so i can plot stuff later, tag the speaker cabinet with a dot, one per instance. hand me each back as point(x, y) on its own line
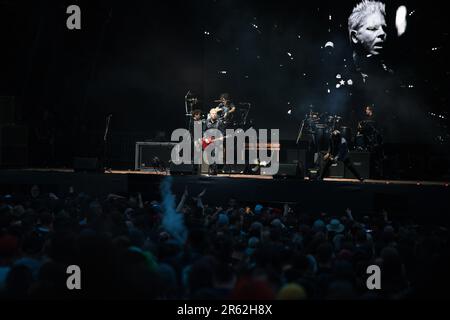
point(153, 155)
point(337, 170)
point(288, 170)
point(361, 162)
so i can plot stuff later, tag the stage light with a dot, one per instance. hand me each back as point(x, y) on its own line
point(400, 20)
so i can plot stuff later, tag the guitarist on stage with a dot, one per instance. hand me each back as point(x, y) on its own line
point(219, 118)
point(338, 151)
point(214, 122)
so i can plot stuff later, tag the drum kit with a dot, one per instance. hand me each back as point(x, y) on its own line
point(320, 126)
point(236, 117)
point(368, 138)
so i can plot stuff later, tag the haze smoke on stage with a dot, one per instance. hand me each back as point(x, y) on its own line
point(173, 221)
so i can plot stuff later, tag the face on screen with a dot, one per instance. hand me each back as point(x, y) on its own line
point(372, 33)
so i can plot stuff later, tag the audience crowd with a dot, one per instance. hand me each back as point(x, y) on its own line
point(128, 247)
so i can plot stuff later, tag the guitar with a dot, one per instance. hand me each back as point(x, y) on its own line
point(206, 141)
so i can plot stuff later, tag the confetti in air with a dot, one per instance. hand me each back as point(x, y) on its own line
point(207, 33)
point(329, 44)
point(223, 72)
point(338, 76)
point(350, 82)
point(400, 20)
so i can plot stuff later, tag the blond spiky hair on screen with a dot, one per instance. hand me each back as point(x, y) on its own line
point(362, 10)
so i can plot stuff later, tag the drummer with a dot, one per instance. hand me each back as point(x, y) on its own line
point(368, 122)
point(226, 107)
point(369, 113)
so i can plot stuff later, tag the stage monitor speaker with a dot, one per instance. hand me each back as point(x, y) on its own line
point(153, 155)
point(182, 169)
point(361, 162)
point(87, 165)
point(337, 170)
point(288, 170)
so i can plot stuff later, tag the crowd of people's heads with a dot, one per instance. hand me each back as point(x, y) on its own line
point(126, 248)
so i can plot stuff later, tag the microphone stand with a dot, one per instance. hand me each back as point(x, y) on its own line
point(105, 144)
point(246, 112)
point(300, 133)
point(186, 111)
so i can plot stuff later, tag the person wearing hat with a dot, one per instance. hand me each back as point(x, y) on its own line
point(338, 151)
point(335, 226)
point(292, 291)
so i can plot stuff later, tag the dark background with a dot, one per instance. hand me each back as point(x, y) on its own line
point(136, 60)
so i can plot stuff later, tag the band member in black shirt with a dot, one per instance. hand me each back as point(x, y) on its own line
point(370, 139)
point(338, 151)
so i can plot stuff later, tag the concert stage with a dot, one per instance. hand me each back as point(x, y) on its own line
point(426, 201)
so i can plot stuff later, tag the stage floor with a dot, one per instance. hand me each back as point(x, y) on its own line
point(246, 176)
point(425, 199)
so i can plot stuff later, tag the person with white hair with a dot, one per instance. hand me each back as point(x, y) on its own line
point(368, 34)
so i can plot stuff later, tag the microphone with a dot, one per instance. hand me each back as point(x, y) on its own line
point(187, 94)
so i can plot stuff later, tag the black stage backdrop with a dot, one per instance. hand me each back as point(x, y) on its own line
point(136, 60)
